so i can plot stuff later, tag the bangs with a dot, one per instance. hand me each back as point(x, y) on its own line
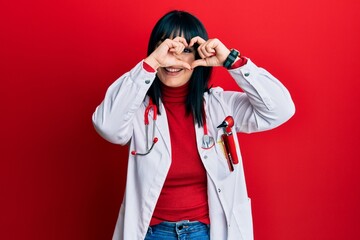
point(182, 29)
point(176, 24)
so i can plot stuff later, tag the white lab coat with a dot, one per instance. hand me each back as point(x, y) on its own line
point(264, 104)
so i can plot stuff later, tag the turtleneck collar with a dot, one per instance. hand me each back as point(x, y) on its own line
point(174, 94)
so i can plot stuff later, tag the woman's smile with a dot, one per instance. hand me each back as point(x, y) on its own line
point(173, 70)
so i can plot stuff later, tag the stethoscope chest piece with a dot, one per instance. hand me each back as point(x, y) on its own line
point(207, 142)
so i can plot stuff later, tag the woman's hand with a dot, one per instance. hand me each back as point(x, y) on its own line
point(168, 54)
point(212, 52)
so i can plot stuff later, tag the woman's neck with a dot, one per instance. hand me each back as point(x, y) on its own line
point(174, 94)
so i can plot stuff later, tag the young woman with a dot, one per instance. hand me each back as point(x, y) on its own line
point(185, 176)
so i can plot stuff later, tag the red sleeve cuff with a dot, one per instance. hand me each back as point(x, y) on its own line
point(239, 63)
point(148, 68)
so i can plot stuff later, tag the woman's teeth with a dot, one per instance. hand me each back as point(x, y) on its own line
point(173, 69)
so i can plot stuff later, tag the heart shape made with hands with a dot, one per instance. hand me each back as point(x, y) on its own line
point(212, 52)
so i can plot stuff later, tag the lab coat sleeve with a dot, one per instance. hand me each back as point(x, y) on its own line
point(113, 118)
point(265, 102)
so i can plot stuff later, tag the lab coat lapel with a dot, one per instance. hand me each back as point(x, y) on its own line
point(205, 154)
point(163, 127)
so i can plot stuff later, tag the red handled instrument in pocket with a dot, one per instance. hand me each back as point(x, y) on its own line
point(229, 141)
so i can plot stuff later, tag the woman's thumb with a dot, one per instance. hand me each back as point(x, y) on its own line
point(199, 62)
point(183, 64)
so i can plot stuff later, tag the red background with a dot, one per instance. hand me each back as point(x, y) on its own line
point(60, 180)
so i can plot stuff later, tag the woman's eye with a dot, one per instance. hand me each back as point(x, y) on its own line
point(187, 50)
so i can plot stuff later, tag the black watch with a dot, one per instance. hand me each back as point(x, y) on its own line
point(231, 58)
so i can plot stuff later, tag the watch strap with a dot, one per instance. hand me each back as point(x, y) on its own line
point(231, 58)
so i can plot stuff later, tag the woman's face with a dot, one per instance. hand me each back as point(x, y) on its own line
point(176, 76)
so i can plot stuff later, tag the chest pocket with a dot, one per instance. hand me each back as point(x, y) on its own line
point(216, 112)
point(215, 160)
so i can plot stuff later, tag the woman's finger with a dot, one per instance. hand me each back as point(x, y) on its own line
point(197, 40)
point(182, 40)
point(201, 52)
point(205, 50)
point(210, 49)
point(182, 44)
point(174, 46)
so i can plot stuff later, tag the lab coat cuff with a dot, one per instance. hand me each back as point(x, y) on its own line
point(141, 77)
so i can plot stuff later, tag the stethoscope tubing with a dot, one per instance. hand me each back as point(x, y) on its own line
point(151, 106)
point(208, 141)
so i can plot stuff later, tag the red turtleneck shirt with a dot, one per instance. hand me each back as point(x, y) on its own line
point(184, 194)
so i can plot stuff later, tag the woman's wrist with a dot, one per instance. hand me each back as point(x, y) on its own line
point(152, 62)
point(231, 58)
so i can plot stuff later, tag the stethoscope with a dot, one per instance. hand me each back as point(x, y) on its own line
point(207, 140)
point(151, 106)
